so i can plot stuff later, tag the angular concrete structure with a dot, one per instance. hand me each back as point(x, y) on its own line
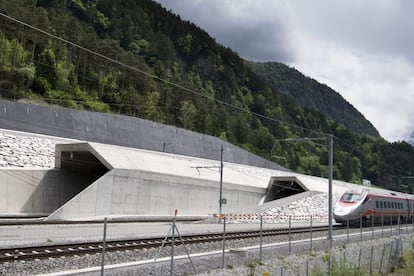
point(142, 183)
point(93, 180)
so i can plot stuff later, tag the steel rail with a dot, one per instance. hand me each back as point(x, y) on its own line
point(59, 250)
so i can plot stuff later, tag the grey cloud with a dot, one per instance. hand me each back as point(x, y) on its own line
point(253, 37)
point(377, 27)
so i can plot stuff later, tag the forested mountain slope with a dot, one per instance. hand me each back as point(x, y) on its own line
point(312, 94)
point(138, 59)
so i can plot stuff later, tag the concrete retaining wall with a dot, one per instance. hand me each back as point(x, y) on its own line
point(120, 130)
point(138, 193)
point(37, 191)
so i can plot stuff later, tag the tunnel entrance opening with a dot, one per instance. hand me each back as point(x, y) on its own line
point(81, 168)
point(83, 162)
point(283, 188)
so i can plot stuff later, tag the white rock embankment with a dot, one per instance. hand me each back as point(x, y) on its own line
point(26, 152)
point(19, 151)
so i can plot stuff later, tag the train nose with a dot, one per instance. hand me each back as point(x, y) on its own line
point(341, 211)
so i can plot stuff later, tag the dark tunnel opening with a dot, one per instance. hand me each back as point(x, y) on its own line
point(283, 188)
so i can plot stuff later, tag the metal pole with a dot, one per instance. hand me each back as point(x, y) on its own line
point(382, 258)
point(372, 226)
point(290, 231)
point(261, 237)
point(389, 258)
point(330, 188)
point(406, 223)
point(224, 242)
point(103, 248)
point(221, 183)
point(311, 233)
point(307, 267)
point(347, 230)
point(370, 260)
point(399, 225)
point(172, 244)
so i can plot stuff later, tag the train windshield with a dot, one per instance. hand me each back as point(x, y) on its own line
point(351, 197)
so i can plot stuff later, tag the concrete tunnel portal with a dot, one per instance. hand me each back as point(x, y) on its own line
point(92, 180)
point(83, 167)
point(283, 187)
point(91, 165)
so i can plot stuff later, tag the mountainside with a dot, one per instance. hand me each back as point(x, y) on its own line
point(136, 58)
point(313, 95)
point(411, 139)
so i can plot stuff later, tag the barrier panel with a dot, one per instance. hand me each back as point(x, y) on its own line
point(272, 218)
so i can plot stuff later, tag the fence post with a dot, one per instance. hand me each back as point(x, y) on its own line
point(290, 233)
point(406, 223)
point(389, 258)
point(307, 268)
point(311, 234)
point(370, 260)
point(372, 226)
point(382, 259)
point(347, 229)
point(172, 244)
point(360, 225)
point(261, 237)
point(399, 226)
point(103, 247)
point(224, 242)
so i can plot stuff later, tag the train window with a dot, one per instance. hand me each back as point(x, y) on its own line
point(381, 205)
point(376, 204)
point(351, 197)
point(388, 205)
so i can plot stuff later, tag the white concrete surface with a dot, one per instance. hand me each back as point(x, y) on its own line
point(142, 182)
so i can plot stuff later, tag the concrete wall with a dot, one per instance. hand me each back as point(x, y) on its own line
point(137, 193)
point(120, 130)
point(37, 191)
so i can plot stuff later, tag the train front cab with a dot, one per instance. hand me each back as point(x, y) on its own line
point(350, 206)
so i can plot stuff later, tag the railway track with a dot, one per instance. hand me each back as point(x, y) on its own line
point(60, 250)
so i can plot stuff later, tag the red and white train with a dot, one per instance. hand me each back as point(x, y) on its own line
point(383, 206)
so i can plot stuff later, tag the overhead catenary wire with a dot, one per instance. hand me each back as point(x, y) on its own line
point(192, 91)
point(174, 84)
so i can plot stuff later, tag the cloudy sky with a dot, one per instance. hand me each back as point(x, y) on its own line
point(362, 49)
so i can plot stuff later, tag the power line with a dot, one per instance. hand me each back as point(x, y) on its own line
point(192, 91)
point(188, 90)
point(360, 152)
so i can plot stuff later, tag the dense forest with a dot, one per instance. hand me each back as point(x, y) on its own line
point(311, 94)
point(138, 59)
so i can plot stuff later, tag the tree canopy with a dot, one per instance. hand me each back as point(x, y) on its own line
point(138, 59)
